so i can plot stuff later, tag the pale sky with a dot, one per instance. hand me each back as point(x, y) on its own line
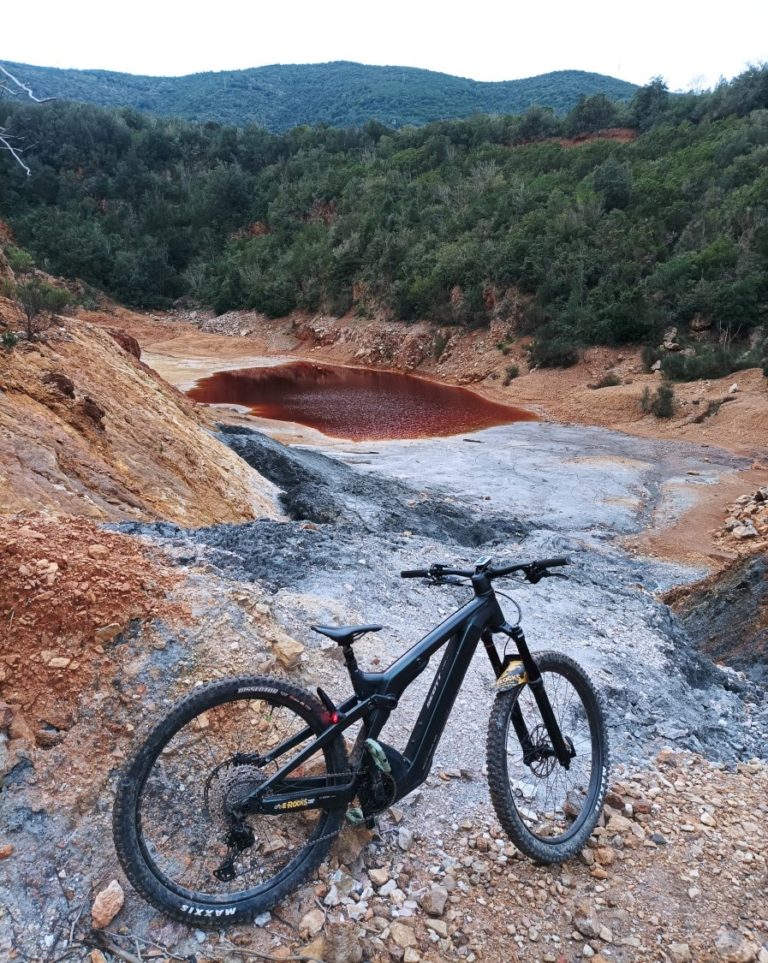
point(690, 44)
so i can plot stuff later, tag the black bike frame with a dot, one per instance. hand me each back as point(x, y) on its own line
point(376, 695)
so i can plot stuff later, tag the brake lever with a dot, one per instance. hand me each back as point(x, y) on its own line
point(538, 574)
point(446, 580)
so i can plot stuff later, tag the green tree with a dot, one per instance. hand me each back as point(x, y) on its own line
point(39, 302)
point(591, 114)
point(613, 181)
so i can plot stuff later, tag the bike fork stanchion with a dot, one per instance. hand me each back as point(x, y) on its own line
point(561, 749)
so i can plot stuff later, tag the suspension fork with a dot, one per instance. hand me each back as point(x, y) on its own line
point(562, 750)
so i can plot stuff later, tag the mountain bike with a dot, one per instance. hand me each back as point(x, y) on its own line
point(236, 796)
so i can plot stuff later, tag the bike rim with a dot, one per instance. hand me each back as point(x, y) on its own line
point(554, 802)
point(182, 803)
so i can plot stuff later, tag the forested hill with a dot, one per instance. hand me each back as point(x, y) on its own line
point(341, 94)
point(605, 226)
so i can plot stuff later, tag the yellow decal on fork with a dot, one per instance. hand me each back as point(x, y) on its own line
point(294, 803)
point(513, 675)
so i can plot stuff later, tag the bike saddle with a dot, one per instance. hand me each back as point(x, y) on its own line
point(345, 634)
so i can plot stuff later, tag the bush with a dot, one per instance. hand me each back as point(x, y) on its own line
point(9, 340)
point(439, 343)
point(553, 353)
point(40, 302)
point(19, 260)
point(649, 356)
point(661, 403)
point(709, 362)
point(609, 380)
point(510, 373)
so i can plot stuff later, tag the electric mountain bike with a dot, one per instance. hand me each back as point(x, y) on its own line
point(236, 796)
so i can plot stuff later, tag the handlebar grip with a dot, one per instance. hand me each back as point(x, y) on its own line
point(552, 562)
point(414, 573)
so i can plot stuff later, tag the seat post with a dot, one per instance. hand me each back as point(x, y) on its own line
point(352, 666)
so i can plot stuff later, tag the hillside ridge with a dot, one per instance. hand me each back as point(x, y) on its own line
point(339, 93)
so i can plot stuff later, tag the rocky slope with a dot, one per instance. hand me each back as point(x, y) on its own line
point(674, 873)
point(86, 428)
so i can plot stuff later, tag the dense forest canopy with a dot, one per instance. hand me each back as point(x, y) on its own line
point(340, 94)
point(608, 241)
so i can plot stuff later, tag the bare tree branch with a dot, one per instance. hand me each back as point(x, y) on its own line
point(23, 86)
point(5, 137)
point(15, 152)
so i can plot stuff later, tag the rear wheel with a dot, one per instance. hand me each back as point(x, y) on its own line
point(549, 811)
point(174, 826)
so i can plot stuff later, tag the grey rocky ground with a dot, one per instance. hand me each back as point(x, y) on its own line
point(357, 515)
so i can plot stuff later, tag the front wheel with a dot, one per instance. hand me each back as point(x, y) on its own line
point(548, 810)
point(175, 829)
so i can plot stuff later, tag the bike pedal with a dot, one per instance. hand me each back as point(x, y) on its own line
point(378, 755)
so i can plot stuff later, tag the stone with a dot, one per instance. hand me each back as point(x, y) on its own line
point(411, 955)
point(98, 551)
point(59, 662)
point(733, 389)
point(680, 953)
point(604, 855)
point(404, 838)
point(342, 944)
point(351, 843)
point(619, 824)
point(316, 948)
point(96, 956)
point(402, 935)
point(745, 530)
point(107, 905)
point(311, 923)
point(6, 851)
point(438, 926)
point(587, 926)
point(433, 903)
point(378, 876)
point(93, 410)
point(732, 947)
point(288, 651)
point(107, 632)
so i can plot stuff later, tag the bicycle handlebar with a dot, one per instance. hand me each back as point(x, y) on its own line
point(532, 571)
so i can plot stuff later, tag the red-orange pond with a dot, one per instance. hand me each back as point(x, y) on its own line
point(355, 403)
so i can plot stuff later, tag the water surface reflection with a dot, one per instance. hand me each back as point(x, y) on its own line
point(355, 403)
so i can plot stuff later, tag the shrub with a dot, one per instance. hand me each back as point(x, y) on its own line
point(510, 373)
point(439, 343)
point(553, 353)
point(40, 302)
point(661, 403)
point(715, 361)
point(609, 380)
point(9, 340)
point(19, 260)
point(649, 356)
